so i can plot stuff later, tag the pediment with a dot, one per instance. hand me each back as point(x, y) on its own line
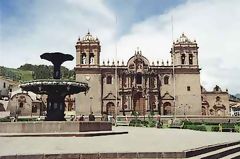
point(167, 96)
point(110, 96)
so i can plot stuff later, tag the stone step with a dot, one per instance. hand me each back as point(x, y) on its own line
point(210, 148)
point(222, 152)
point(232, 156)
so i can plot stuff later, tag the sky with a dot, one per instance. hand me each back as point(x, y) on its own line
point(29, 28)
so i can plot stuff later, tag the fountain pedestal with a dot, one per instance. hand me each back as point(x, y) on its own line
point(55, 108)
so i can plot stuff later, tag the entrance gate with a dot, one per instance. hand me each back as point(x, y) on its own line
point(139, 103)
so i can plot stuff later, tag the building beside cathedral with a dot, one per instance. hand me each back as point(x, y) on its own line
point(141, 86)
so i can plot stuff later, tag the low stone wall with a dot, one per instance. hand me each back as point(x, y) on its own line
point(53, 127)
point(94, 126)
point(193, 118)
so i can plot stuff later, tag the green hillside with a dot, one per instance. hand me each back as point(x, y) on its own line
point(29, 72)
point(15, 74)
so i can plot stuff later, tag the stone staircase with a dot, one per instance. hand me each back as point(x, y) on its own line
point(223, 151)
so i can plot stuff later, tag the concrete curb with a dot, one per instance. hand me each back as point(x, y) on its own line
point(122, 155)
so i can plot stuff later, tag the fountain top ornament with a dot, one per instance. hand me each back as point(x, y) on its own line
point(46, 86)
point(57, 58)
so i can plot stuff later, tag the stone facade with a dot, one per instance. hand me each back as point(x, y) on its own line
point(6, 87)
point(30, 104)
point(141, 86)
point(25, 104)
point(216, 102)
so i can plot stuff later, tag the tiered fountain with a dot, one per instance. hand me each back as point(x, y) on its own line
point(55, 88)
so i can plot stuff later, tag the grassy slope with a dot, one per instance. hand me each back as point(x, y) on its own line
point(25, 75)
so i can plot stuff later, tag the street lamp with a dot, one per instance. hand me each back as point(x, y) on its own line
point(17, 107)
point(91, 98)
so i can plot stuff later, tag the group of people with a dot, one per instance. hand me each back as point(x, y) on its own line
point(91, 117)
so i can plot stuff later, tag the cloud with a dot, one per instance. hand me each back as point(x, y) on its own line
point(45, 26)
point(214, 24)
point(53, 26)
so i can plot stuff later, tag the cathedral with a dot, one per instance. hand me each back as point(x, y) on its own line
point(171, 88)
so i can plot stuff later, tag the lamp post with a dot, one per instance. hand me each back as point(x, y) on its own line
point(91, 98)
point(16, 110)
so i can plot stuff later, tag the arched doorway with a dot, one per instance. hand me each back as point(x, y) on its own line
point(139, 103)
point(110, 108)
point(167, 108)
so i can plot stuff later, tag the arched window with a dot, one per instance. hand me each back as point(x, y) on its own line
point(218, 99)
point(83, 58)
point(183, 59)
point(91, 58)
point(21, 105)
point(166, 80)
point(34, 109)
point(167, 108)
point(110, 108)
point(139, 78)
point(4, 85)
point(190, 59)
point(109, 79)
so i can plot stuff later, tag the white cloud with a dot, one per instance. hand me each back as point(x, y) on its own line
point(214, 24)
point(54, 27)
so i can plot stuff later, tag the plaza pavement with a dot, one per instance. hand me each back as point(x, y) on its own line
point(137, 140)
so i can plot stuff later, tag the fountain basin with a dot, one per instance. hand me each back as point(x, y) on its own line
point(44, 86)
point(54, 126)
point(56, 90)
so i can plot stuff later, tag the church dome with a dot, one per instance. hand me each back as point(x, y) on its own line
point(89, 38)
point(184, 40)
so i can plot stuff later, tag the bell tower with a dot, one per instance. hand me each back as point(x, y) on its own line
point(185, 52)
point(88, 51)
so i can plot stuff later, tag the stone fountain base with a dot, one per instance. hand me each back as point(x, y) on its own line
point(54, 126)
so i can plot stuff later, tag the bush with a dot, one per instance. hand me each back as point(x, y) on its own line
point(228, 125)
point(6, 119)
point(145, 123)
point(192, 123)
point(195, 127)
point(135, 122)
point(211, 123)
point(215, 128)
point(187, 122)
point(152, 123)
point(26, 119)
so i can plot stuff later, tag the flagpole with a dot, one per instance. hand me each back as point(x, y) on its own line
point(116, 78)
point(173, 67)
